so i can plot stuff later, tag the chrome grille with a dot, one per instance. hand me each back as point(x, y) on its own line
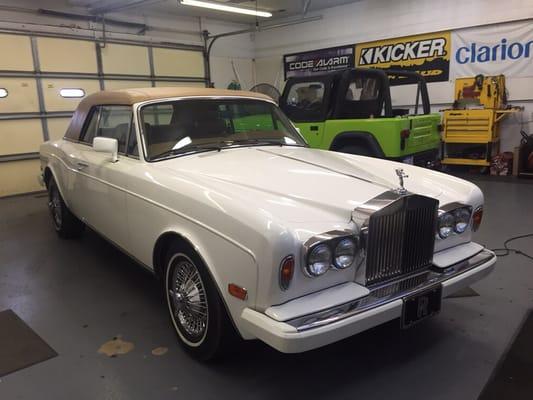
point(400, 238)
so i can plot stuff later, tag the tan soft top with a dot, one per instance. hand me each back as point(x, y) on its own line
point(132, 96)
point(138, 95)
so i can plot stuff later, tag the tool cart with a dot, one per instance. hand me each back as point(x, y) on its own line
point(471, 128)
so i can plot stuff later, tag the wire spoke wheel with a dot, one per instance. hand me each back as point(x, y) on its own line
point(54, 204)
point(188, 299)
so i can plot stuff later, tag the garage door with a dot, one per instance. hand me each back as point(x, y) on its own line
point(44, 78)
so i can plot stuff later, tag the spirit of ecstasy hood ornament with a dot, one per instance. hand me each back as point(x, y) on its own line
point(401, 175)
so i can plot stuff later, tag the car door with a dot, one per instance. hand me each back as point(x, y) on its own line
point(73, 163)
point(101, 185)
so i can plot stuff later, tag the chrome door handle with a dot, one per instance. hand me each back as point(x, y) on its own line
point(81, 165)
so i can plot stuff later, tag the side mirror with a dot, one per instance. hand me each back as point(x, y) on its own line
point(106, 145)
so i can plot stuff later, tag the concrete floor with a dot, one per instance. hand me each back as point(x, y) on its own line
point(79, 294)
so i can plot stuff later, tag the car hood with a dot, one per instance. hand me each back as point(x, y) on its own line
point(299, 184)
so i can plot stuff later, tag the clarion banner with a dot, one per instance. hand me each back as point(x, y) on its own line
point(427, 54)
point(492, 50)
point(318, 61)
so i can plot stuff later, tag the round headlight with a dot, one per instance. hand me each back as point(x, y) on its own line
point(344, 253)
point(319, 260)
point(462, 219)
point(446, 225)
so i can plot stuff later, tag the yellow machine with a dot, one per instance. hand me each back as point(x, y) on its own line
point(471, 134)
point(486, 91)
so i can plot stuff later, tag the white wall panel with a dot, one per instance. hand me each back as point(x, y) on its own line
point(19, 177)
point(57, 127)
point(125, 59)
point(368, 20)
point(172, 62)
point(224, 70)
point(20, 136)
point(270, 70)
point(55, 102)
point(179, 84)
point(16, 53)
point(67, 55)
point(22, 95)
point(112, 84)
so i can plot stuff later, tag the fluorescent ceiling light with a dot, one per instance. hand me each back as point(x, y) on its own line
point(223, 7)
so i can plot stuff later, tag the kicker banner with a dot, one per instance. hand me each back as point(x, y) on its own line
point(492, 50)
point(318, 61)
point(428, 54)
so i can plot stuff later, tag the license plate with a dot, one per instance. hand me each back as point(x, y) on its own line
point(409, 160)
point(421, 306)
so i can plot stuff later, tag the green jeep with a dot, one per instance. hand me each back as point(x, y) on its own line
point(351, 111)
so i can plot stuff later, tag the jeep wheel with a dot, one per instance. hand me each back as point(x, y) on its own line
point(356, 149)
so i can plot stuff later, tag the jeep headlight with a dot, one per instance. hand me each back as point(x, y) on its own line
point(319, 260)
point(344, 255)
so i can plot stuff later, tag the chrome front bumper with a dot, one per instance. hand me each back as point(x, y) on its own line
point(383, 303)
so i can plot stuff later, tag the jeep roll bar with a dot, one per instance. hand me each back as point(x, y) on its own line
point(383, 101)
point(422, 90)
point(336, 84)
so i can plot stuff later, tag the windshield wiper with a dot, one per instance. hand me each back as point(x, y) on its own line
point(262, 142)
point(188, 149)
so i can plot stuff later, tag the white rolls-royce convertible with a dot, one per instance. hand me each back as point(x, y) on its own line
point(251, 232)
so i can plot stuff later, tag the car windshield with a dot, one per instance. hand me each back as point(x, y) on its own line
point(185, 126)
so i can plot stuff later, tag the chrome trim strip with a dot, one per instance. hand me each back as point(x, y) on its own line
point(361, 217)
point(452, 206)
point(385, 293)
point(326, 236)
point(331, 238)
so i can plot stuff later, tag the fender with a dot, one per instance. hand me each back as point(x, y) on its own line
point(159, 247)
point(358, 137)
point(50, 170)
point(189, 239)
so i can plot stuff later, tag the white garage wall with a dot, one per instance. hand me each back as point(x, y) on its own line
point(224, 70)
point(368, 20)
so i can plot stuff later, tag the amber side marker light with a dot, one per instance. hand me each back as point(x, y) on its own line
point(286, 272)
point(237, 291)
point(476, 218)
